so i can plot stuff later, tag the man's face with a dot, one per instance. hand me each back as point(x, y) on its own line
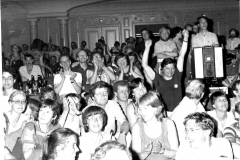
point(73, 45)
point(195, 135)
point(7, 80)
point(145, 35)
point(164, 34)
point(25, 47)
point(53, 48)
point(65, 62)
point(123, 93)
point(82, 57)
point(101, 96)
point(169, 70)
point(203, 24)
point(232, 34)
point(53, 60)
point(189, 28)
point(29, 61)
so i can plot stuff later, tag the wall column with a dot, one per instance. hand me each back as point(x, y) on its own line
point(33, 29)
point(63, 31)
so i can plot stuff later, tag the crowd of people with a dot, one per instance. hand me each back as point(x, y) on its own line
point(136, 100)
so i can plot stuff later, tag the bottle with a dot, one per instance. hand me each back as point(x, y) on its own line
point(39, 81)
point(32, 80)
point(35, 88)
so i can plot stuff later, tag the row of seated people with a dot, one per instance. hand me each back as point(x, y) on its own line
point(140, 123)
point(135, 117)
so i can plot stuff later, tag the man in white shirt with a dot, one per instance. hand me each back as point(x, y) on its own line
point(204, 37)
point(29, 69)
point(67, 81)
point(190, 104)
point(233, 41)
point(201, 145)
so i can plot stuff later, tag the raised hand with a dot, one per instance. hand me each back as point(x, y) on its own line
point(148, 43)
point(73, 75)
point(62, 75)
point(185, 34)
point(148, 147)
point(74, 105)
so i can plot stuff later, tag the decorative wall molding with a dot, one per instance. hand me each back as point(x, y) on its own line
point(100, 20)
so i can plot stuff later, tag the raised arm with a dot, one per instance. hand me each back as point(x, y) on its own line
point(58, 86)
point(149, 71)
point(183, 51)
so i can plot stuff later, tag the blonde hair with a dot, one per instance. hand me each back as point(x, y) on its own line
point(195, 89)
point(15, 93)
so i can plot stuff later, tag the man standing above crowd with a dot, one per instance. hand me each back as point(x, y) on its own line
point(84, 68)
point(164, 48)
point(169, 83)
point(204, 37)
point(67, 81)
point(74, 50)
point(233, 41)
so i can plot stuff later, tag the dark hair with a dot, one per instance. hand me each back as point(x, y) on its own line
point(235, 84)
point(236, 31)
point(216, 95)
point(204, 17)
point(204, 120)
point(52, 141)
point(237, 107)
point(44, 45)
point(153, 99)
point(121, 83)
point(99, 84)
point(175, 31)
point(119, 56)
point(37, 44)
point(94, 110)
point(96, 52)
point(102, 150)
point(135, 83)
point(116, 43)
point(10, 71)
point(29, 55)
point(167, 61)
point(47, 90)
point(145, 29)
point(34, 105)
point(55, 108)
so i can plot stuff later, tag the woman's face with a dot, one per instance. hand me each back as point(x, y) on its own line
point(221, 104)
point(139, 91)
point(45, 115)
point(15, 49)
point(122, 62)
point(147, 112)
point(7, 80)
point(18, 103)
point(69, 149)
point(95, 123)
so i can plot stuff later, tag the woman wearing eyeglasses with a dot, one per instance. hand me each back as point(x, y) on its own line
point(220, 114)
point(8, 80)
point(94, 121)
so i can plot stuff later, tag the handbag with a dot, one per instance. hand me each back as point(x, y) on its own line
point(17, 151)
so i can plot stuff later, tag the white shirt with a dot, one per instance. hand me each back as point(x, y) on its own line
point(67, 85)
point(230, 119)
point(232, 43)
point(219, 149)
point(36, 70)
point(185, 107)
point(200, 40)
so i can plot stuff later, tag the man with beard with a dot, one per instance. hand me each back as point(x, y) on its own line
point(204, 37)
point(233, 41)
point(84, 68)
point(168, 84)
point(100, 92)
point(164, 48)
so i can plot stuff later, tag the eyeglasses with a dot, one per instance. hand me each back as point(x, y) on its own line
point(102, 94)
point(65, 62)
point(97, 118)
point(222, 100)
point(191, 130)
point(19, 102)
point(7, 79)
point(123, 92)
